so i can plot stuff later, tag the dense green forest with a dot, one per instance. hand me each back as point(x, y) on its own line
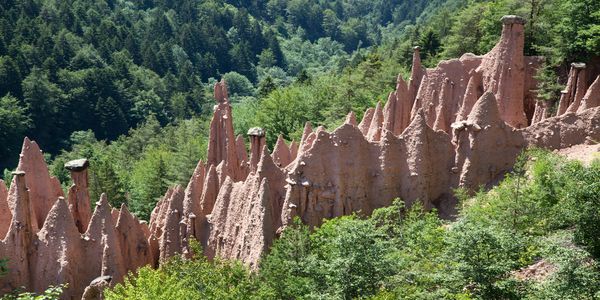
point(106, 66)
point(535, 236)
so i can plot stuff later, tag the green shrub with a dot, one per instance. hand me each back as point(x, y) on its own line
point(3, 267)
point(483, 258)
point(352, 257)
point(421, 270)
point(574, 274)
point(52, 293)
point(345, 258)
point(286, 272)
point(586, 193)
point(195, 278)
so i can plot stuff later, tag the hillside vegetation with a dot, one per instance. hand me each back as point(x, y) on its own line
point(107, 65)
point(534, 236)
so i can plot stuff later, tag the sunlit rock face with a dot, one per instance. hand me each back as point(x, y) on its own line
point(460, 124)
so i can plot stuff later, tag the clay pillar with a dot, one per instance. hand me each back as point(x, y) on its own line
point(79, 197)
point(416, 75)
point(5, 214)
point(579, 88)
point(591, 97)
point(257, 142)
point(22, 206)
point(503, 70)
point(512, 76)
point(18, 241)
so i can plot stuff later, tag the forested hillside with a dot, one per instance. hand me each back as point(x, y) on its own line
point(108, 65)
point(306, 73)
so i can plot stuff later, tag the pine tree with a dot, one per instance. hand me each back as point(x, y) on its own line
point(10, 77)
point(111, 120)
point(266, 86)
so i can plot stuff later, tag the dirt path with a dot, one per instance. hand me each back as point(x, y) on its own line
point(584, 153)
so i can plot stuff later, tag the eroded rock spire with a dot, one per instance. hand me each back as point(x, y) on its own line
point(43, 189)
point(79, 197)
point(504, 71)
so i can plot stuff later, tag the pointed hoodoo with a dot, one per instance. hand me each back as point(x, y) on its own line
point(592, 96)
point(240, 145)
point(417, 103)
point(307, 131)
point(210, 190)
point(266, 164)
point(101, 222)
point(374, 133)
point(566, 96)
point(17, 242)
point(262, 225)
point(193, 191)
point(420, 146)
point(268, 169)
point(281, 154)
point(79, 197)
point(112, 259)
point(365, 123)
point(396, 113)
point(471, 95)
point(157, 225)
point(218, 219)
point(350, 119)
point(222, 143)
point(59, 220)
point(487, 147)
point(442, 117)
point(305, 140)
point(58, 254)
point(257, 141)
point(133, 240)
point(541, 112)
point(485, 112)
point(416, 75)
point(170, 242)
point(574, 91)
point(192, 209)
point(389, 112)
point(242, 153)
point(417, 124)
point(220, 92)
point(503, 71)
point(403, 106)
point(20, 201)
point(293, 150)
point(5, 214)
point(43, 189)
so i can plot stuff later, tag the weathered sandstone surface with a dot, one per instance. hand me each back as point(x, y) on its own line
point(460, 124)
